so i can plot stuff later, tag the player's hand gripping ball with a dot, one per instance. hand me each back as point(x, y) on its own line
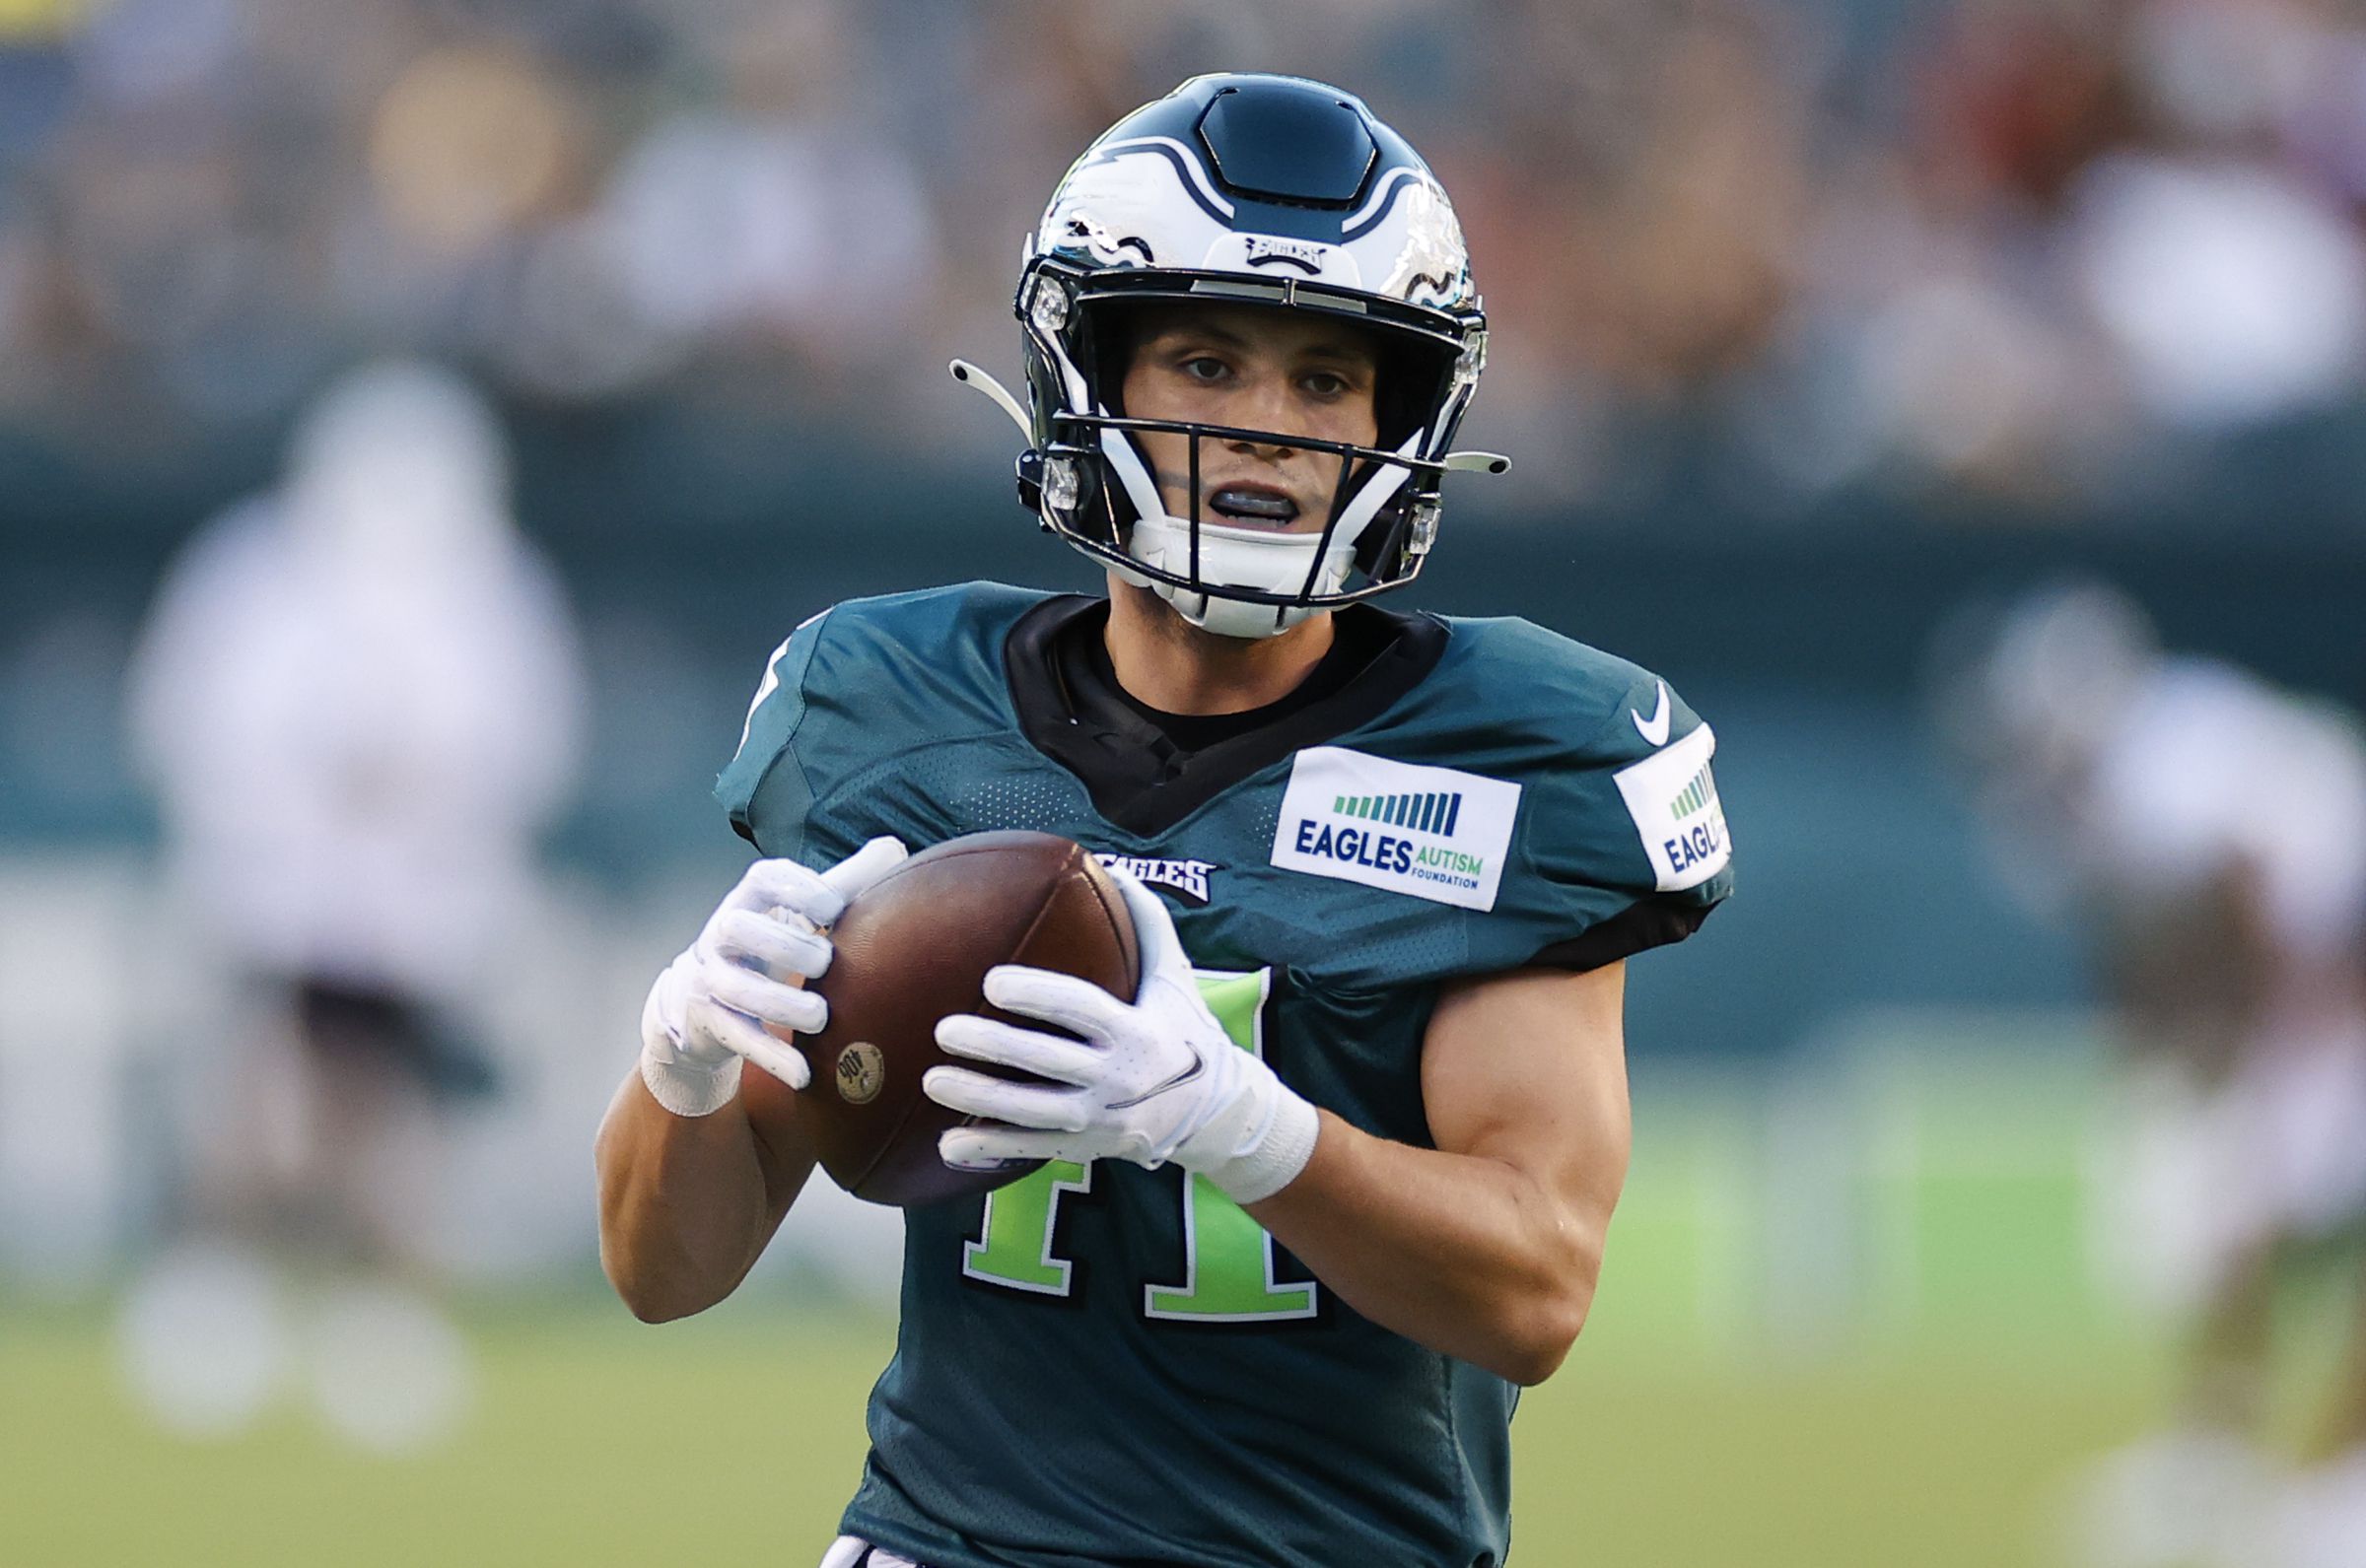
point(911, 948)
point(1097, 1074)
point(719, 1007)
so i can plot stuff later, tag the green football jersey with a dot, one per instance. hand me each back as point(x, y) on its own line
point(1102, 1364)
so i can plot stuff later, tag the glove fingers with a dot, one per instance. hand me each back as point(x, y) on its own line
point(786, 886)
point(1153, 930)
point(784, 1062)
point(1022, 1105)
point(712, 1022)
point(778, 948)
point(850, 877)
point(1077, 1006)
point(1047, 1055)
point(766, 999)
point(983, 1148)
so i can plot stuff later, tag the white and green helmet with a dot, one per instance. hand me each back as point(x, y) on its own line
point(1269, 191)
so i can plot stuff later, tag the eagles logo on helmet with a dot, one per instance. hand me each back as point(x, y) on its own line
point(1256, 190)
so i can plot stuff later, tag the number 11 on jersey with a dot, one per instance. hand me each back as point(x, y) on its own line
point(1228, 1257)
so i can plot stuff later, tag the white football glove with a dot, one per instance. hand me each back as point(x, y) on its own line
point(1153, 1081)
point(709, 1008)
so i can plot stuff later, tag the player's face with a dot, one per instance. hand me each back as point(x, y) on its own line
point(1255, 370)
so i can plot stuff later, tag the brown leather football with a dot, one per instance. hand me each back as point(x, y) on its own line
point(914, 947)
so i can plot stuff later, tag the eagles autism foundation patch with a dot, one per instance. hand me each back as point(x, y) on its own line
point(1433, 833)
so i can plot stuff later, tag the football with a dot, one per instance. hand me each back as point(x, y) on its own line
point(914, 947)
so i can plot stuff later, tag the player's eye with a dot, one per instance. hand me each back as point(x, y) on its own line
point(1325, 384)
point(1204, 368)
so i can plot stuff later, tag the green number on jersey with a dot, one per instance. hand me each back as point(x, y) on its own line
point(1229, 1258)
point(1016, 1249)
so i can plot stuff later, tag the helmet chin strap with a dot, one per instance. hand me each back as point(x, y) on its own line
point(1259, 560)
point(1238, 558)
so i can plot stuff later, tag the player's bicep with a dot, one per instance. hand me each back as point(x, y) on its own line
point(1530, 1067)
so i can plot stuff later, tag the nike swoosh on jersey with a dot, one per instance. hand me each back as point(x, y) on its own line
point(1656, 729)
point(1185, 1077)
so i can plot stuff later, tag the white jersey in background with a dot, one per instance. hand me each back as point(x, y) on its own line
point(2211, 772)
point(359, 701)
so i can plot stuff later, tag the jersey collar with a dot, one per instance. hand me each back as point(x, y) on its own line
point(1140, 779)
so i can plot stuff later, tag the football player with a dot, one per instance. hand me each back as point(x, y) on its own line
point(1334, 1186)
point(2204, 834)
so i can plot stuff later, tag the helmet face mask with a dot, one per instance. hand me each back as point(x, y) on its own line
point(1326, 214)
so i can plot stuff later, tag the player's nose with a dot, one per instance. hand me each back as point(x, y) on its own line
point(1267, 406)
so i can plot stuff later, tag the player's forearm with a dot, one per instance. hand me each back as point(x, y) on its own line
point(1466, 1254)
point(684, 1206)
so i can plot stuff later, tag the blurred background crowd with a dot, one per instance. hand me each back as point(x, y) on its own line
point(419, 419)
point(2030, 247)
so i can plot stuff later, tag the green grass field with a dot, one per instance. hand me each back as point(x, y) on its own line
point(1967, 1370)
point(734, 1439)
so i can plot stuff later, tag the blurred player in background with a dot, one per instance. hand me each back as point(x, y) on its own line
point(358, 701)
point(1406, 858)
point(2206, 836)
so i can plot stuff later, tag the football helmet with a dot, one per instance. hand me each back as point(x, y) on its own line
point(1269, 191)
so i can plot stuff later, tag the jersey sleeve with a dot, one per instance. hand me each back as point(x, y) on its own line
point(846, 737)
point(764, 790)
point(1623, 845)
